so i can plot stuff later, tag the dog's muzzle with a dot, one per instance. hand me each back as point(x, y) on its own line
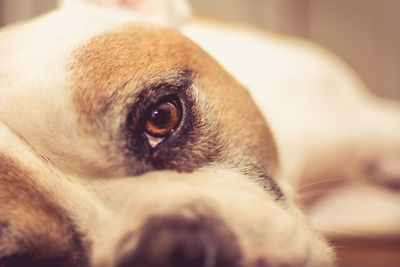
point(181, 241)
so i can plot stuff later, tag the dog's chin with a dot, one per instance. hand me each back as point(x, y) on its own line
point(199, 219)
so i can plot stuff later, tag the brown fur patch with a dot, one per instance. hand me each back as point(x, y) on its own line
point(115, 66)
point(34, 229)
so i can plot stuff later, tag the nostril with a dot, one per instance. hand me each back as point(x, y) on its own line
point(176, 241)
point(188, 249)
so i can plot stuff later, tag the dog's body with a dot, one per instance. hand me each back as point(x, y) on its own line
point(85, 181)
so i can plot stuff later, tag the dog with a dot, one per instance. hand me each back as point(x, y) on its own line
point(123, 143)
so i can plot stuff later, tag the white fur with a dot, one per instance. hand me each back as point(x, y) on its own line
point(289, 80)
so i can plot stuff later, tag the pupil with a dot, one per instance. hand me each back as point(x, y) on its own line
point(161, 116)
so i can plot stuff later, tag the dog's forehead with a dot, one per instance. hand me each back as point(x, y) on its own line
point(140, 54)
point(134, 55)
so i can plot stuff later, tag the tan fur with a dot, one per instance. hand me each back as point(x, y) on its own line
point(115, 65)
point(25, 209)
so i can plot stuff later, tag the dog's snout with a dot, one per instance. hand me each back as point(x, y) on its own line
point(177, 241)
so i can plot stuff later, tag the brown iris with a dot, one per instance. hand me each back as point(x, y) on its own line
point(162, 119)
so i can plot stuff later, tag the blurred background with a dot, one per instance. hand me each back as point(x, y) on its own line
point(365, 33)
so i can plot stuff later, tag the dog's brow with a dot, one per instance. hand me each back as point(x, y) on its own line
point(181, 79)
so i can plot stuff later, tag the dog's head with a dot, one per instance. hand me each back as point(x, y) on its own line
point(124, 144)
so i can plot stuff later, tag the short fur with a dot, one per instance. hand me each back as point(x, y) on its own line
point(81, 186)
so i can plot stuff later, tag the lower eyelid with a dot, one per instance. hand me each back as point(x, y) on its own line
point(153, 141)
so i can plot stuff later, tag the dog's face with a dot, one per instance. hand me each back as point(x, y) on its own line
point(124, 144)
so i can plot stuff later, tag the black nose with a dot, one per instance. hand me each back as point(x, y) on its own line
point(177, 241)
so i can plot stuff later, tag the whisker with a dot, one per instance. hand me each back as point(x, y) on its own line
point(318, 182)
point(334, 230)
point(316, 191)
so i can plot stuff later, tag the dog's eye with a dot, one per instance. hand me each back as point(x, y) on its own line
point(161, 120)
